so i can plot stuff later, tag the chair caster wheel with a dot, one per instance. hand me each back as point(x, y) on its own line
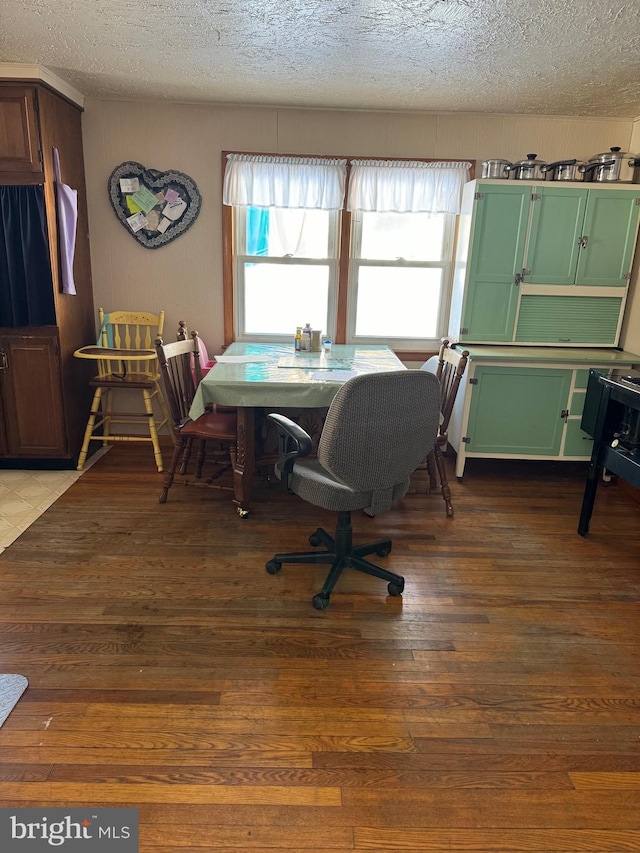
point(273, 567)
point(243, 513)
point(395, 588)
point(384, 552)
point(320, 602)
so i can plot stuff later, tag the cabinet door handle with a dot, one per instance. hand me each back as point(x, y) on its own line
point(564, 414)
point(4, 361)
point(582, 242)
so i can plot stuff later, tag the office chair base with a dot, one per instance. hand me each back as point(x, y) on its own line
point(340, 555)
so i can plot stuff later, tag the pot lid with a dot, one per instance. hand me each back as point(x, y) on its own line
point(530, 161)
point(496, 160)
point(614, 153)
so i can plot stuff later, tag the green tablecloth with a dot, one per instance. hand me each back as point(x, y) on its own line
point(264, 383)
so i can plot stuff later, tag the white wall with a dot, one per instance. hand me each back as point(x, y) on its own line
point(185, 277)
point(630, 339)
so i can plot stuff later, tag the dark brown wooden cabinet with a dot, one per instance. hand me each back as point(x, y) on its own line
point(31, 392)
point(20, 151)
point(44, 391)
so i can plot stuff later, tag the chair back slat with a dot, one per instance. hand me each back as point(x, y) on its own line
point(130, 330)
point(450, 365)
point(453, 365)
point(175, 360)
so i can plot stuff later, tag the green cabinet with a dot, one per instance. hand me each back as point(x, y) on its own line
point(518, 410)
point(495, 259)
point(526, 403)
point(557, 217)
point(584, 237)
point(609, 237)
point(543, 264)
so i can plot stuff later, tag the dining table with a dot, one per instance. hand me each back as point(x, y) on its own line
point(259, 378)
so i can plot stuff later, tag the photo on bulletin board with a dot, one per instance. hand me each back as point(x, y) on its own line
point(154, 207)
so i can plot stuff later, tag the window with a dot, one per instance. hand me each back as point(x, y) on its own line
point(286, 271)
point(399, 277)
point(375, 267)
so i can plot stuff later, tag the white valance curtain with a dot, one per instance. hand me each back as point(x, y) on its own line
point(294, 182)
point(397, 186)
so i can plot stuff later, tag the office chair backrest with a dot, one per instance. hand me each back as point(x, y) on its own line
point(379, 427)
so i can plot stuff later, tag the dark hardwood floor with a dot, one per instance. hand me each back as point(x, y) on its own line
point(494, 708)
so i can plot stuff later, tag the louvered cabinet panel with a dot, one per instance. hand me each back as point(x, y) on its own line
point(575, 320)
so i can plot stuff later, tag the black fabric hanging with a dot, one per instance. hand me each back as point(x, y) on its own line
point(26, 286)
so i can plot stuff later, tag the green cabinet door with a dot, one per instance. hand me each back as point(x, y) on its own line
point(608, 236)
point(518, 410)
point(556, 228)
point(499, 229)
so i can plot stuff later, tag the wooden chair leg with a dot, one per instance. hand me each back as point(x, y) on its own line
point(88, 433)
point(181, 443)
point(444, 483)
point(186, 456)
point(153, 432)
point(431, 470)
point(107, 408)
point(202, 446)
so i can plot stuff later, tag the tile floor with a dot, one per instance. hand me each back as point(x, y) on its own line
point(25, 495)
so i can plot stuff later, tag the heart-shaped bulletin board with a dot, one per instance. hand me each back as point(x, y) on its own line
point(154, 207)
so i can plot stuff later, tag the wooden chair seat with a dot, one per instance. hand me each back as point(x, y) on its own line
point(214, 426)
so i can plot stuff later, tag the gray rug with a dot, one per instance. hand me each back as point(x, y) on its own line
point(11, 689)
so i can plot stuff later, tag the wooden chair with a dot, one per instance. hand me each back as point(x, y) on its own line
point(181, 374)
point(126, 361)
point(449, 367)
point(206, 363)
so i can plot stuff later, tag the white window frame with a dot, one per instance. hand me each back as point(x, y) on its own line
point(241, 258)
point(447, 265)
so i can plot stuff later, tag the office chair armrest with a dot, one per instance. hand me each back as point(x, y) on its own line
point(293, 440)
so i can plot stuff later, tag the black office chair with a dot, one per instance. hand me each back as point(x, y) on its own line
point(378, 428)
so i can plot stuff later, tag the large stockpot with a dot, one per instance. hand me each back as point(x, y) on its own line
point(613, 166)
point(496, 168)
point(529, 169)
point(563, 170)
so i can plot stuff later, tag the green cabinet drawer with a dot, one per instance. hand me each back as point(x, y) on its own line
point(581, 378)
point(577, 402)
point(576, 441)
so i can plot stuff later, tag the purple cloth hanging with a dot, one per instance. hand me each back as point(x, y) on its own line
point(67, 204)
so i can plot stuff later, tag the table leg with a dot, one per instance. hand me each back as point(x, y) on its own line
point(245, 459)
point(595, 469)
point(588, 499)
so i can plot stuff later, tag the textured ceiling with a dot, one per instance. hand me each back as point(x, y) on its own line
point(577, 57)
